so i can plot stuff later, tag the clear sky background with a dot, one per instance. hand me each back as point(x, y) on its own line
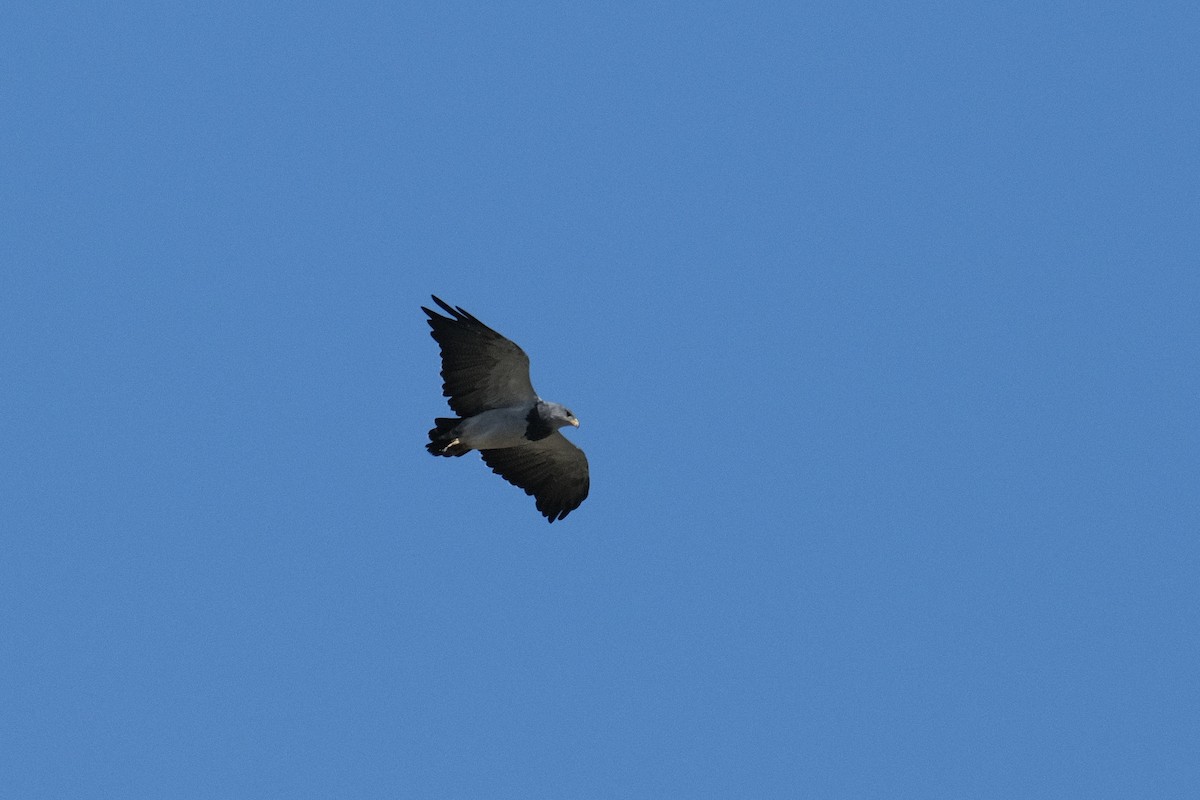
point(882, 321)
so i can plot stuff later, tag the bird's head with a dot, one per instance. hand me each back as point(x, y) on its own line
point(556, 415)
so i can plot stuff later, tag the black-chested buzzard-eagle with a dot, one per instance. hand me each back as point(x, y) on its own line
point(500, 415)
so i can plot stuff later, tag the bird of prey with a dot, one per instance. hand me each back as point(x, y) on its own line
point(500, 415)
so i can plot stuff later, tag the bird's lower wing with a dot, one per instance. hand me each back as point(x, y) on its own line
point(552, 470)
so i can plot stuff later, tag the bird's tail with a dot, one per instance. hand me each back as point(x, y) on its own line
point(442, 441)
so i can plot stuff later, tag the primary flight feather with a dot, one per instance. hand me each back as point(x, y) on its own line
point(499, 414)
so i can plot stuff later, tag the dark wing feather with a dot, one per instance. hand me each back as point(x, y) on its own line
point(482, 370)
point(552, 470)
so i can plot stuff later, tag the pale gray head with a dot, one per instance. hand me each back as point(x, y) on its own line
point(555, 415)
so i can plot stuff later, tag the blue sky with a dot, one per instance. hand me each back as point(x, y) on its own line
point(880, 319)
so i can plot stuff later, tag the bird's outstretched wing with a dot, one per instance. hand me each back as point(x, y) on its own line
point(552, 470)
point(482, 370)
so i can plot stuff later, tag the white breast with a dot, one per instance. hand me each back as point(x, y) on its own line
point(501, 427)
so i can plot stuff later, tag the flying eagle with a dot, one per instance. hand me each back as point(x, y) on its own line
point(500, 415)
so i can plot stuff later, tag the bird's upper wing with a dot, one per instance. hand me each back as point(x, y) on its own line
point(552, 470)
point(482, 369)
